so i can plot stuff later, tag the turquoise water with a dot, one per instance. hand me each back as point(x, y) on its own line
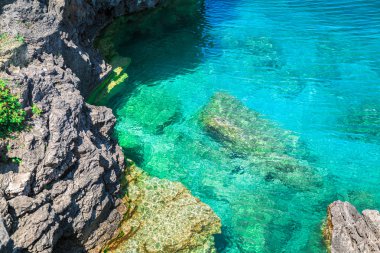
point(310, 67)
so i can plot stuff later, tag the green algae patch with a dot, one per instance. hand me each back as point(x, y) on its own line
point(114, 79)
point(163, 216)
point(274, 153)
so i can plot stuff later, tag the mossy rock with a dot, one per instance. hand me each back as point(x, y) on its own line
point(268, 150)
point(163, 216)
point(115, 78)
point(242, 130)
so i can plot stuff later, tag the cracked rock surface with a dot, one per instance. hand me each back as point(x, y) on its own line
point(348, 231)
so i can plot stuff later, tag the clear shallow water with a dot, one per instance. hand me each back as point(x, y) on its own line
point(311, 67)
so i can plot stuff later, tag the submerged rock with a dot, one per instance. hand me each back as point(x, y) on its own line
point(273, 152)
point(115, 78)
point(163, 216)
point(348, 231)
point(153, 109)
point(265, 53)
point(242, 130)
point(362, 122)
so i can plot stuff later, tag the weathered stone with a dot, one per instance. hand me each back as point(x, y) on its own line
point(4, 238)
point(243, 130)
point(12, 50)
point(347, 231)
point(274, 153)
point(163, 216)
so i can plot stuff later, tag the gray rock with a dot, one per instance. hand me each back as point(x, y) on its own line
point(348, 231)
point(4, 237)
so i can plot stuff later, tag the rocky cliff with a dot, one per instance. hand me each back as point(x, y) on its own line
point(60, 194)
point(348, 231)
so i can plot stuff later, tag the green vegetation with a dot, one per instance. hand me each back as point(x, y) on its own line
point(20, 38)
point(12, 116)
point(16, 160)
point(36, 110)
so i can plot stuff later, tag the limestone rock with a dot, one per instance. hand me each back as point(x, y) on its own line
point(273, 152)
point(4, 238)
point(163, 216)
point(348, 231)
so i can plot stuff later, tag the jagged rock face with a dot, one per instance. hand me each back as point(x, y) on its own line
point(61, 197)
point(64, 27)
point(348, 231)
point(63, 189)
point(163, 216)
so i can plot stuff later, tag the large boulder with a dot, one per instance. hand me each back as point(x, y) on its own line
point(272, 152)
point(163, 216)
point(348, 231)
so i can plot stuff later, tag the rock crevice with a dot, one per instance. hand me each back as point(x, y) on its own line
point(348, 231)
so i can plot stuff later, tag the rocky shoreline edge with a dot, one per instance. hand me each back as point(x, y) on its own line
point(65, 191)
point(64, 195)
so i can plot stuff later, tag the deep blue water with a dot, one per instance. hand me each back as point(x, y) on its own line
point(311, 67)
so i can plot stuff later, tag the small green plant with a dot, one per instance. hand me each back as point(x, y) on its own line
point(36, 110)
point(20, 38)
point(12, 116)
point(16, 160)
point(3, 36)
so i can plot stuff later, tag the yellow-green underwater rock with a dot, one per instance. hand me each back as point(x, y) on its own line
point(242, 130)
point(116, 77)
point(163, 216)
point(270, 151)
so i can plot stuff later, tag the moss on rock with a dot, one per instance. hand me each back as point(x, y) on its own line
point(163, 216)
point(274, 153)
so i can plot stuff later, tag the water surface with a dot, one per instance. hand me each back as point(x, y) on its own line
point(311, 67)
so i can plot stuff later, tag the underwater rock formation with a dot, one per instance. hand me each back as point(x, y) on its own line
point(362, 122)
point(149, 108)
point(163, 216)
point(273, 152)
point(348, 231)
